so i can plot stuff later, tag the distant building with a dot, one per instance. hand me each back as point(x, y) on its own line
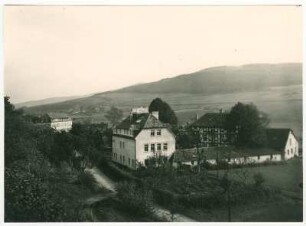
point(141, 136)
point(282, 145)
point(61, 124)
point(210, 130)
point(228, 154)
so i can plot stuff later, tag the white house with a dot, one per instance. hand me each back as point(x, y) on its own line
point(284, 141)
point(61, 124)
point(140, 136)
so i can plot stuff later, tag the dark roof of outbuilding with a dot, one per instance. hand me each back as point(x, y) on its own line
point(141, 121)
point(211, 120)
point(277, 138)
point(187, 155)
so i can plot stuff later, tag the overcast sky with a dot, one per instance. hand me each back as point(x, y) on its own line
point(52, 51)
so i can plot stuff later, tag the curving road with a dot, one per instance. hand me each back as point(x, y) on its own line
point(107, 183)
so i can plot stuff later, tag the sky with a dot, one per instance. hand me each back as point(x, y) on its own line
point(54, 51)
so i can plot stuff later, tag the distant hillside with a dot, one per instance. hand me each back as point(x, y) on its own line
point(44, 101)
point(275, 89)
point(225, 80)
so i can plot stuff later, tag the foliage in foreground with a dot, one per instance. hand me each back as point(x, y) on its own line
point(135, 199)
point(36, 189)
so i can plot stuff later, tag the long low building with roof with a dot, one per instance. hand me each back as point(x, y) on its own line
point(282, 145)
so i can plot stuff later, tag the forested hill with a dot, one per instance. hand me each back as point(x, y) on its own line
point(225, 80)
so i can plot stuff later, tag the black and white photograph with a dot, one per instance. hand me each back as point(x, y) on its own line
point(152, 113)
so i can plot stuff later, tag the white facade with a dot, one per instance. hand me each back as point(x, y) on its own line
point(61, 124)
point(124, 151)
point(147, 145)
point(131, 152)
point(139, 137)
point(292, 147)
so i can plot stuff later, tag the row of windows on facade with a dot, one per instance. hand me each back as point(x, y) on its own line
point(129, 132)
point(158, 147)
point(288, 151)
point(131, 162)
point(124, 131)
point(158, 132)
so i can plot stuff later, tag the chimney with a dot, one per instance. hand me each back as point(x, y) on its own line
point(155, 114)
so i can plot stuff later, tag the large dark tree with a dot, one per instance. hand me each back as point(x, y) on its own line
point(250, 124)
point(166, 114)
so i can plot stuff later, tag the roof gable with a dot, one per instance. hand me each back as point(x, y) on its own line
point(153, 122)
point(277, 138)
point(138, 122)
point(211, 120)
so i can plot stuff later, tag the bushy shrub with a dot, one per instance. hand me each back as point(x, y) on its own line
point(258, 179)
point(136, 200)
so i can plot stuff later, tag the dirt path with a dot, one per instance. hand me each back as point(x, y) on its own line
point(107, 183)
point(102, 180)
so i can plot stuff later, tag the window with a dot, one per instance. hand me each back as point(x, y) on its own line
point(158, 133)
point(123, 145)
point(123, 159)
point(146, 147)
point(290, 141)
point(158, 147)
point(152, 147)
point(129, 161)
point(287, 152)
point(165, 146)
point(152, 132)
point(120, 158)
point(258, 157)
point(271, 157)
point(291, 151)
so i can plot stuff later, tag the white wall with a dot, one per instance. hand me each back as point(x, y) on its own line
point(144, 137)
point(128, 151)
point(291, 148)
point(62, 125)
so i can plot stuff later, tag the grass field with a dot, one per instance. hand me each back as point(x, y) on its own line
point(286, 177)
point(284, 210)
point(287, 208)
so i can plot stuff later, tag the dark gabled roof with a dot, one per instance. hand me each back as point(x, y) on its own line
point(256, 151)
point(137, 122)
point(277, 138)
point(211, 120)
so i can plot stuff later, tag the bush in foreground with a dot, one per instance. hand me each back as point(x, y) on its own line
point(137, 200)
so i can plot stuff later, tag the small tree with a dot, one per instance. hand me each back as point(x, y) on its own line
point(113, 115)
